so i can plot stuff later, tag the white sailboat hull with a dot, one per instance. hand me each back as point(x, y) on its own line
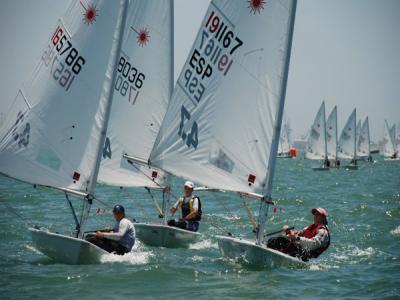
point(320, 168)
point(248, 252)
point(66, 249)
point(159, 235)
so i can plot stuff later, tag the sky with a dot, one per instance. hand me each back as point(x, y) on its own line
point(345, 52)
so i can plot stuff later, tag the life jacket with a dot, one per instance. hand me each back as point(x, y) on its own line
point(187, 208)
point(310, 232)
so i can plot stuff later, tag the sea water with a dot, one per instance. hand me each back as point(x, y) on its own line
point(363, 261)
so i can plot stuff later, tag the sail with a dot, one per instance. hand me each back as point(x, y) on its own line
point(222, 124)
point(284, 146)
point(52, 132)
point(397, 139)
point(392, 131)
point(316, 146)
point(347, 140)
point(388, 142)
point(331, 134)
point(142, 91)
point(358, 133)
point(363, 145)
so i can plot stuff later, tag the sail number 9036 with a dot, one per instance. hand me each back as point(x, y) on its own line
point(191, 138)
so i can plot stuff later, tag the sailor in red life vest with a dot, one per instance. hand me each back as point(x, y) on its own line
point(307, 243)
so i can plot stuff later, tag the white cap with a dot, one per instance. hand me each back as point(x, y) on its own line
point(189, 184)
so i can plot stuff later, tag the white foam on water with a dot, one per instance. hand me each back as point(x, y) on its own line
point(33, 249)
point(354, 255)
point(395, 231)
point(205, 244)
point(137, 256)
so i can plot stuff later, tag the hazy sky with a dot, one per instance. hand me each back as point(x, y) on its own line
point(345, 52)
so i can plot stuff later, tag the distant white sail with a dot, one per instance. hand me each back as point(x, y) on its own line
point(358, 133)
point(53, 132)
point(347, 140)
point(392, 132)
point(143, 88)
point(331, 134)
point(363, 145)
point(284, 145)
point(221, 125)
point(317, 146)
point(397, 139)
point(388, 143)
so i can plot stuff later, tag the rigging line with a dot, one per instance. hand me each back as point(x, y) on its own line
point(147, 176)
point(153, 199)
point(230, 214)
point(13, 211)
point(208, 220)
point(249, 212)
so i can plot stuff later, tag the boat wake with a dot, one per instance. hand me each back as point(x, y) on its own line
point(205, 244)
point(33, 249)
point(137, 256)
point(354, 255)
point(395, 231)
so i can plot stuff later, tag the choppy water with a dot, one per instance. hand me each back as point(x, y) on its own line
point(363, 261)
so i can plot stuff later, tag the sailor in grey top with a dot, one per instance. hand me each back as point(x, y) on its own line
point(122, 237)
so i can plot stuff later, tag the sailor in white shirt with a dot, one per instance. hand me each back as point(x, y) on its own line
point(121, 238)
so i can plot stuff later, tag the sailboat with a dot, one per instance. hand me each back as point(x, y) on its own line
point(317, 141)
point(138, 111)
point(55, 131)
point(231, 73)
point(363, 143)
point(284, 144)
point(332, 137)
point(389, 150)
point(347, 142)
point(397, 139)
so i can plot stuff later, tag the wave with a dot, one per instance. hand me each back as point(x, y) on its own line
point(137, 256)
point(205, 244)
point(395, 231)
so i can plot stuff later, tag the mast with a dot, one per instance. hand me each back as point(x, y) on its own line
point(103, 129)
point(336, 135)
point(355, 136)
point(166, 192)
point(266, 200)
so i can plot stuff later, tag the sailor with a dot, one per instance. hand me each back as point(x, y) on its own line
point(308, 243)
point(191, 209)
point(337, 163)
point(327, 163)
point(121, 238)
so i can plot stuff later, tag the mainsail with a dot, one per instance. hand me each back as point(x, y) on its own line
point(284, 145)
point(389, 149)
point(331, 134)
point(347, 140)
point(363, 145)
point(358, 134)
point(223, 122)
point(397, 139)
point(55, 129)
point(317, 144)
point(143, 88)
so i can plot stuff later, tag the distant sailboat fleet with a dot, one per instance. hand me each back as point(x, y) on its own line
point(354, 143)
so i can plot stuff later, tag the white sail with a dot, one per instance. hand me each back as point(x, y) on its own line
point(358, 133)
point(143, 88)
point(222, 125)
point(54, 130)
point(331, 134)
point(317, 144)
point(392, 131)
point(284, 145)
point(388, 142)
point(347, 140)
point(363, 145)
point(397, 139)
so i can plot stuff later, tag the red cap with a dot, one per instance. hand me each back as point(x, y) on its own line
point(320, 210)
